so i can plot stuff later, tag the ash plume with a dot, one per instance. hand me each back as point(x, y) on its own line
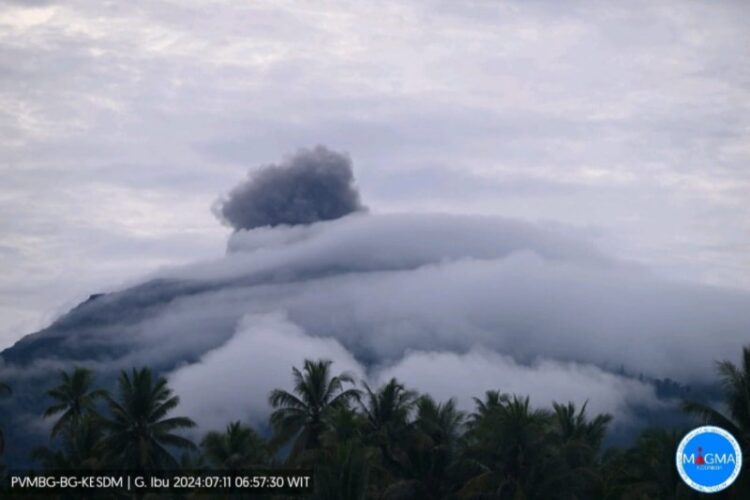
point(312, 185)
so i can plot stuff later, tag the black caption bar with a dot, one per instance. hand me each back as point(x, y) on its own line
point(259, 481)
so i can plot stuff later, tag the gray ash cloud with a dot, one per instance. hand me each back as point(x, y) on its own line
point(312, 185)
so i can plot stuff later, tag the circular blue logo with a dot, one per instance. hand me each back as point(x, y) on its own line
point(709, 459)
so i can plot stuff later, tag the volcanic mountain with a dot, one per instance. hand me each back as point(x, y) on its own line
point(451, 304)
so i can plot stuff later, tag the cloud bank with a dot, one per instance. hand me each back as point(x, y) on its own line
point(232, 382)
point(451, 304)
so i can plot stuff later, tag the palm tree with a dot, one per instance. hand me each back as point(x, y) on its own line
point(81, 447)
point(388, 409)
point(387, 412)
point(510, 447)
point(139, 430)
point(647, 469)
point(578, 443)
point(343, 424)
point(302, 415)
point(429, 453)
point(343, 473)
point(493, 401)
point(237, 448)
point(735, 381)
point(4, 390)
point(73, 397)
point(385, 415)
point(442, 422)
point(736, 384)
point(573, 426)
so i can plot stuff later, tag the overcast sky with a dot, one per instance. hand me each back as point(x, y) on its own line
point(122, 122)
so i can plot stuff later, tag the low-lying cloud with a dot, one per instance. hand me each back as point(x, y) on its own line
point(233, 381)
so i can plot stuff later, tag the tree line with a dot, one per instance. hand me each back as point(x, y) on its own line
point(388, 442)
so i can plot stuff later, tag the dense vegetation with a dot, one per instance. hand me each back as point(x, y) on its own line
point(388, 442)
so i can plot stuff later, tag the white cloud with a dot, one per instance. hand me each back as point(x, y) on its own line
point(382, 285)
point(232, 382)
point(464, 376)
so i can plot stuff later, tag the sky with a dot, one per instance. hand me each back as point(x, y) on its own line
point(123, 123)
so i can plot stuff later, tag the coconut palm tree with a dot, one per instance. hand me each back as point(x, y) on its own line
point(139, 430)
point(647, 469)
point(574, 426)
point(4, 390)
point(578, 442)
point(343, 472)
point(73, 397)
point(429, 453)
point(238, 447)
point(344, 424)
point(735, 381)
point(442, 422)
point(492, 402)
point(388, 408)
point(81, 447)
point(301, 415)
point(386, 412)
point(510, 445)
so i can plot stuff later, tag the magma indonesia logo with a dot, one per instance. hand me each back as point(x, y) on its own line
point(709, 459)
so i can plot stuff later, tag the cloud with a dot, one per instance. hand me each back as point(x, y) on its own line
point(632, 119)
point(232, 382)
point(454, 304)
point(312, 185)
point(384, 285)
point(464, 376)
